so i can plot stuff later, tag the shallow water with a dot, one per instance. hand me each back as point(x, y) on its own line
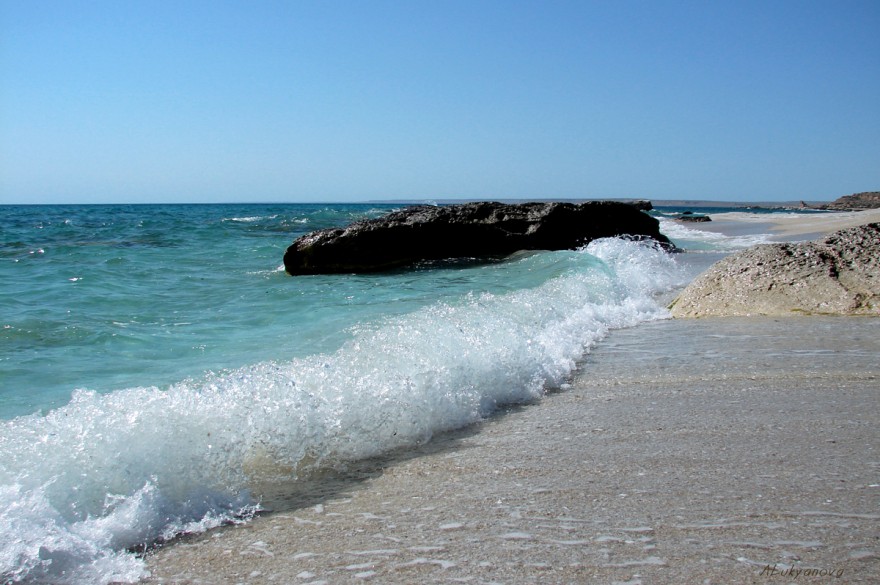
point(684, 451)
point(159, 367)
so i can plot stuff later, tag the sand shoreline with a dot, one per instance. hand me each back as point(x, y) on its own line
point(791, 226)
point(684, 451)
point(754, 447)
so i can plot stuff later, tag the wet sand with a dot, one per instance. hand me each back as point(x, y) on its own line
point(684, 451)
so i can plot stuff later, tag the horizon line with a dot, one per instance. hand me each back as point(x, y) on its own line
point(448, 201)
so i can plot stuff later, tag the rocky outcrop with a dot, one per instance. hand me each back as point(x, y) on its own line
point(839, 274)
point(854, 202)
point(471, 230)
point(690, 216)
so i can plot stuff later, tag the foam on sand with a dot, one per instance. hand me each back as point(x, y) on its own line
point(686, 452)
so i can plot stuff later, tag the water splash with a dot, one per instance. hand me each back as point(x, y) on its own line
point(112, 472)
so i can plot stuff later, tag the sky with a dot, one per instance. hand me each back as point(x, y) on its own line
point(333, 100)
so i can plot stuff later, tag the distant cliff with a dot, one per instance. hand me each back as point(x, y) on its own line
point(854, 202)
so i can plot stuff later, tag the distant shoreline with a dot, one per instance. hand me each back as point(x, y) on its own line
point(697, 203)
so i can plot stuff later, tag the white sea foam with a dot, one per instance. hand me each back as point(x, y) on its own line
point(111, 472)
point(251, 219)
point(696, 240)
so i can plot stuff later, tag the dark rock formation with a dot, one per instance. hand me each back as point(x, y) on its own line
point(471, 230)
point(839, 274)
point(690, 216)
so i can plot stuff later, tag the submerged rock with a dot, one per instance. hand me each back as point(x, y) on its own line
point(470, 230)
point(693, 217)
point(839, 274)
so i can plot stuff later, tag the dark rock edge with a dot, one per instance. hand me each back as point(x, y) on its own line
point(481, 230)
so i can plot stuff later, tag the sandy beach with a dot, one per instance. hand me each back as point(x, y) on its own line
point(789, 226)
point(684, 451)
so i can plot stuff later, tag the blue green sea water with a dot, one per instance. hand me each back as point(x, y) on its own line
point(157, 364)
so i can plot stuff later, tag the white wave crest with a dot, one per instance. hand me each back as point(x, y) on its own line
point(107, 473)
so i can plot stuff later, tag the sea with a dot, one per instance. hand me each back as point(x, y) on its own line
point(160, 373)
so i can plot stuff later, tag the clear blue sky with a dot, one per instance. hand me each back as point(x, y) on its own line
point(125, 100)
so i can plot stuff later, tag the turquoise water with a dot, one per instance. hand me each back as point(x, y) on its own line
point(158, 367)
point(107, 297)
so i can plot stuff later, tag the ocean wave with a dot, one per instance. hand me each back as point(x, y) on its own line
point(110, 473)
point(251, 219)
